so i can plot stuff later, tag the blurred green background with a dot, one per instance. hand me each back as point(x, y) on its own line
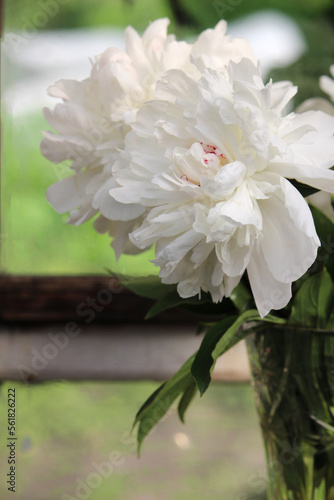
point(64, 427)
point(194, 15)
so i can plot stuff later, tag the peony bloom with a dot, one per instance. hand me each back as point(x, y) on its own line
point(95, 115)
point(210, 163)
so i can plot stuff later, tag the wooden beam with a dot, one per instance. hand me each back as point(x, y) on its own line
point(89, 327)
point(58, 298)
point(71, 351)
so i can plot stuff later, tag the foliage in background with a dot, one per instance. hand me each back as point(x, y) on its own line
point(312, 64)
point(197, 15)
point(206, 14)
point(77, 14)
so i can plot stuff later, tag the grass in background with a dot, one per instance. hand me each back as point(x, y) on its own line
point(34, 238)
point(63, 428)
point(21, 14)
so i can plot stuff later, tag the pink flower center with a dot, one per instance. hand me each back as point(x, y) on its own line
point(201, 159)
point(212, 150)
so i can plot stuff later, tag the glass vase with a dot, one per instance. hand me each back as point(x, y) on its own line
point(293, 381)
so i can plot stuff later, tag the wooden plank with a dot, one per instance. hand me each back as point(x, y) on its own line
point(52, 298)
point(97, 352)
point(88, 327)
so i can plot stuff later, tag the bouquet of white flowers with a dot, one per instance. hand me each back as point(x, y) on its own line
point(183, 146)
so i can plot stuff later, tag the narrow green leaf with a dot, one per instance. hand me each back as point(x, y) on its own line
point(146, 286)
point(147, 403)
point(325, 301)
point(330, 323)
point(204, 327)
point(160, 406)
point(186, 399)
point(241, 297)
point(314, 302)
point(160, 401)
point(219, 339)
point(199, 306)
point(232, 336)
point(201, 367)
point(325, 231)
point(170, 300)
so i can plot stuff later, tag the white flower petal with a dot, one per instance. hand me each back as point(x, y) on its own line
point(319, 178)
point(177, 249)
point(327, 84)
point(290, 242)
point(119, 231)
point(68, 193)
point(268, 292)
point(281, 94)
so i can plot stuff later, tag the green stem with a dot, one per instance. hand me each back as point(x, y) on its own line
point(293, 379)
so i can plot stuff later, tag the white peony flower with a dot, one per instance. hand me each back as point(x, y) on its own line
point(97, 113)
point(209, 161)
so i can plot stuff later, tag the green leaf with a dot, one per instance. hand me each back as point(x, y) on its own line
point(146, 286)
point(160, 401)
point(326, 301)
point(325, 231)
point(314, 302)
point(170, 300)
point(304, 189)
point(233, 335)
point(330, 324)
point(186, 399)
point(241, 297)
point(166, 297)
point(219, 339)
point(199, 306)
point(203, 327)
point(148, 402)
point(201, 367)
